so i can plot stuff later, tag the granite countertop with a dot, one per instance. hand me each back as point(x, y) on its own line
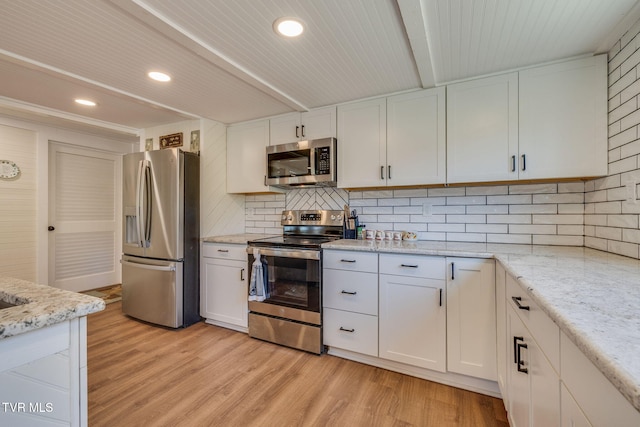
point(40, 306)
point(237, 239)
point(593, 296)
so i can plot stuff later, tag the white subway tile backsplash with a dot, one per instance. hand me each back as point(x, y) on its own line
point(467, 219)
point(508, 219)
point(532, 229)
point(631, 236)
point(488, 209)
point(467, 200)
point(558, 240)
point(571, 187)
point(521, 239)
point(509, 200)
point(609, 233)
point(571, 208)
point(623, 221)
point(558, 219)
point(449, 191)
point(534, 209)
point(559, 198)
point(466, 237)
point(460, 228)
point(595, 243)
point(571, 230)
point(487, 228)
point(533, 188)
point(459, 210)
point(623, 248)
point(487, 191)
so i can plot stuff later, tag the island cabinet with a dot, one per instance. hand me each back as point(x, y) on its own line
point(43, 376)
point(412, 314)
point(224, 285)
point(350, 301)
point(293, 127)
point(471, 317)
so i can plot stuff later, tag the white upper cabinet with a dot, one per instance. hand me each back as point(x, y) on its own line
point(247, 157)
point(416, 145)
point(394, 141)
point(563, 119)
point(362, 141)
point(315, 124)
point(482, 130)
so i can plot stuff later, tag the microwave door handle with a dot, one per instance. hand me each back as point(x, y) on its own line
point(313, 166)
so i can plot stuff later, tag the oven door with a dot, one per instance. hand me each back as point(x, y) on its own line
point(292, 285)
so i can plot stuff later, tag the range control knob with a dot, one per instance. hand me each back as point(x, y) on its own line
point(284, 217)
point(290, 217)
point(333, 217)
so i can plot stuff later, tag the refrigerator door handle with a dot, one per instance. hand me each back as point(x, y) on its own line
point(148, 266)
point(143, 203)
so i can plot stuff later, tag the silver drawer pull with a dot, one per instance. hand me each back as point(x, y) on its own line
point(347, 330)
point(348, 260)
point(348, 293)
point(408, 265)
point(223, 250)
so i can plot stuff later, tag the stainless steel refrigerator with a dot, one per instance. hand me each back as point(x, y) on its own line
point(160, 245)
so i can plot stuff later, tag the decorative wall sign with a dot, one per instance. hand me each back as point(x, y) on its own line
point(148, 144)
point(195, 141)
point(9, 170)
point(173, 140)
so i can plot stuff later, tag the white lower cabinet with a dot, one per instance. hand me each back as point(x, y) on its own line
point(412, 310)
point(350, 301)
point(572, 415)
point(224, 285)
point(502, 355)
point(471, 317)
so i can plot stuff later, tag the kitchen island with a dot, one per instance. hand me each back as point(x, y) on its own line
point(592, 296)
point(43, 364)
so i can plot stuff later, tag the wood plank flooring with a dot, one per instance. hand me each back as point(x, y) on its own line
point(143, 375)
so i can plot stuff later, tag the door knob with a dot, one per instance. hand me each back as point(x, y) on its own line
point(51, 228)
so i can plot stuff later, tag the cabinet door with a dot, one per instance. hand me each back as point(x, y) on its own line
point(416, 138)
point(471, 317)
point(224, 292)
point(247, 157)
point(545, 388)
point(572, 415)
point(482, 129)
point(284, 129)
point(563, 119)
point(519, 391)
point(412, 321)
point(362, 141)
point(320, 123)
point(501, 332)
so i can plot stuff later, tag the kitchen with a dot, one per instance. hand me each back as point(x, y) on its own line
point(594, 213)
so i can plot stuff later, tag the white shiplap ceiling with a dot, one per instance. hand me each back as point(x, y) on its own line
point(228, 65)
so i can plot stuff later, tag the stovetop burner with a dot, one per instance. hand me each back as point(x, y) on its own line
point(305, 242)
point(306, 229)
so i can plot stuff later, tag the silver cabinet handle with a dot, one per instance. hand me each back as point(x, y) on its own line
point(409, 265)
point(297, 127)
point(347, 330)
point(389, 172)
point(242, 275)
point(348, 293)
point(348, 260)
point(381, 172)
point(223, 250)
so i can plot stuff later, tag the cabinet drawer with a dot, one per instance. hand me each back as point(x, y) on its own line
point(413, 266)
point(351, 291)
point(351, 331)
point(225, 251)
point(543, 329)
point(350, 260)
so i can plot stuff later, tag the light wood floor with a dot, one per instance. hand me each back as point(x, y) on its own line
point(142, 375)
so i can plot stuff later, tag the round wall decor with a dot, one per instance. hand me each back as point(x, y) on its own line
point(8, 169)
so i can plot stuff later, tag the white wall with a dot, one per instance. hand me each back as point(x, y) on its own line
point(18, 205)
point(38, 154)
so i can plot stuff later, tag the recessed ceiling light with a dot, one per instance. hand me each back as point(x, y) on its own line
point(85, 102)
point(288, 27)
point(158, 76)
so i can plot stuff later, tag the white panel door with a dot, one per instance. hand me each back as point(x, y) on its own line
point(563, 119)
point(85, 197)
point(416, 146)
point(284, 129)
point(482, 130)
point(362, 144)
point(320, 123)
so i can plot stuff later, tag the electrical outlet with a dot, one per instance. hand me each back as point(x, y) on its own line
point(631, 193)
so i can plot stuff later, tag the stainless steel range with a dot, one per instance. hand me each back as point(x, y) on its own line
point(291, 313)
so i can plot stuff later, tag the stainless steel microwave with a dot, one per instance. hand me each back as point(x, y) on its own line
point(304, 163)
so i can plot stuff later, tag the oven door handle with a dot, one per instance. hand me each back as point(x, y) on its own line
point(286, 253)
